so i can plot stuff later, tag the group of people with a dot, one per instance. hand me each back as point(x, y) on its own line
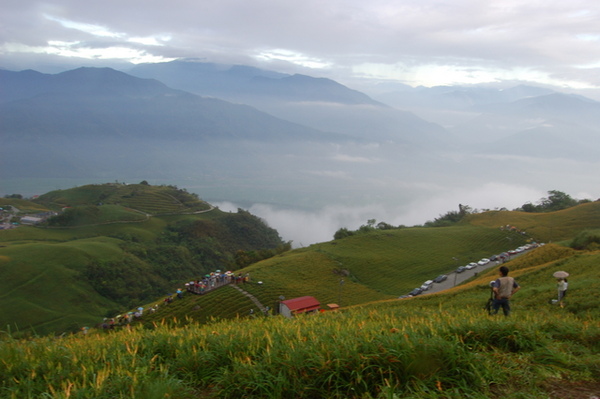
point(504, 287)
point(200, 286)
point(214, 280)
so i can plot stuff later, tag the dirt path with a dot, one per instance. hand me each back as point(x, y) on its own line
point(252, 297)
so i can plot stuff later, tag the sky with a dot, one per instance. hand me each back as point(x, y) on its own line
point(424, 42)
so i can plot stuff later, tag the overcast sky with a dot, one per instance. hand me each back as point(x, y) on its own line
point(422, 42)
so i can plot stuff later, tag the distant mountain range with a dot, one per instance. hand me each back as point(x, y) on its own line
point(104, 103)
point(316, 102)
point(239, 82)
point(228, 128)
point(99, 121)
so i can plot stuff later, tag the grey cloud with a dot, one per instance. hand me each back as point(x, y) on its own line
point(552, 37)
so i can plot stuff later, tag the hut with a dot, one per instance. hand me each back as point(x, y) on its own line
point(304, 304)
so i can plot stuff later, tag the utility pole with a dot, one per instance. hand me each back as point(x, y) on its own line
point(455, 272)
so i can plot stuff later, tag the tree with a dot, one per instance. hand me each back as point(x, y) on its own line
point(529, 207)
point(556, 201)
point(342, 233)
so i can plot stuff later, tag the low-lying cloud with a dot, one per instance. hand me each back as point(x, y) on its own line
point(305, 227)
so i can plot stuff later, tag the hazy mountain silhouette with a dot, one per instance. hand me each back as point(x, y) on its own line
point(301, 141)
point(241, 83)
point(316, 102)
point(99, 120)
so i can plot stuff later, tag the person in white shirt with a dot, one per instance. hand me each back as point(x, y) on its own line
point(562, 290)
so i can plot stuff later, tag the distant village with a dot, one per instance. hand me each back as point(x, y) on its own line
point(11, 217)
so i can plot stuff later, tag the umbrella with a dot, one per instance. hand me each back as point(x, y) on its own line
point(561, 274)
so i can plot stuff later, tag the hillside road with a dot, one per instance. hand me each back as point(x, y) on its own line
point(455, 279)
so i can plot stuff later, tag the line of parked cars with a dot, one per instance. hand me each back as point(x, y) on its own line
point(426, 285)
point(482, 262)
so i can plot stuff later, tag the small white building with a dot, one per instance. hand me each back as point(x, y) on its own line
point(31, 220)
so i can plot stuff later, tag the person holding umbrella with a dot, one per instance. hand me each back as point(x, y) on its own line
point(561, 278)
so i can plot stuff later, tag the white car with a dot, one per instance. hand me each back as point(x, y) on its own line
point(483, 262)
point(471, 265)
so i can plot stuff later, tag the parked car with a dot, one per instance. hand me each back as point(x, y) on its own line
point(471, 265)
point(494, 257)
point(483, 262)
point(440, 278)
point(461, 269)
point(426, 285)
point(415, 292)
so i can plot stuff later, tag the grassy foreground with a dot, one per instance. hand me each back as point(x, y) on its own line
point(436, 346)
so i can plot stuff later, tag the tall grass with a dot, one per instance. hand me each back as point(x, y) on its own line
point(364, 353)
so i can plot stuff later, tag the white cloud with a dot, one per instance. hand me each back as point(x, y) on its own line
point(92, 29)
point(305, 227)
point(293, 57)
point(159, 40)
point(352, 158)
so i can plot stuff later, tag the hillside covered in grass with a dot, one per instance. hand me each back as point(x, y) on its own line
point(112, 247)
point(435, 346)
point(380, 265)
point(440, 345)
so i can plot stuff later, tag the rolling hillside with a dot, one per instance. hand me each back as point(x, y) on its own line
point(101, 255)
point(435, 346)
point(384, 265)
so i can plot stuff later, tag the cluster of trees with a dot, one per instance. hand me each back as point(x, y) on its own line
point(186, 249)
point(555, 201)
point(451, 217)
point(371, 225)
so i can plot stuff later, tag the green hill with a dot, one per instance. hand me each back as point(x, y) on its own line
point(546, 227)
point(100, 256)
point(441, 345)
point(385, 264)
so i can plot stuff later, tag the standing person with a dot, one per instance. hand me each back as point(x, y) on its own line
point(504, 288)
point(562, 290)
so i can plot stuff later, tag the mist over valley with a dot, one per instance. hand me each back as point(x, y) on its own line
point(307, 154)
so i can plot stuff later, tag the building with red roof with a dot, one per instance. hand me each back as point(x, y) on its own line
point(304, 304)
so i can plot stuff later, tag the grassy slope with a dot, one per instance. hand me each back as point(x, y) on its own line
point(437, 346)
point(39, 267)
point(386, 264)
point(148, 199)
point(381, 265)
point(24, 206)
point(546, 227)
